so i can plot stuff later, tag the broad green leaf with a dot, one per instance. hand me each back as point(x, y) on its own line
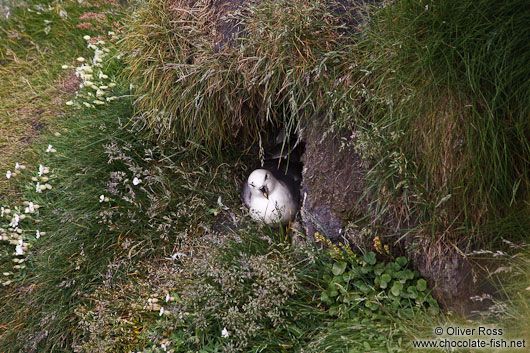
point(369, 258)
point(421, 285)
point(396, 289)
point(324, 296)
point(338, 268)
point(402, 261)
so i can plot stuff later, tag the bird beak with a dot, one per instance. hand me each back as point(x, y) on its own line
point(265, 192)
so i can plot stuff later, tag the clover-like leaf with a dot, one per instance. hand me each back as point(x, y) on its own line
point(413, 292)
point(396, 289)
point(402, 261)
point(369, 258)
point(338, 268)
point(421, 285)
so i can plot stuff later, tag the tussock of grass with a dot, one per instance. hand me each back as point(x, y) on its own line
point(447, 110)
point(274, 73)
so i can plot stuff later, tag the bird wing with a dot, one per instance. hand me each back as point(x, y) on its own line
point(245, 194)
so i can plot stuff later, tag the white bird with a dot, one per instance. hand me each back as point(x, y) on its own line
point(271, 196)
point(272, 191)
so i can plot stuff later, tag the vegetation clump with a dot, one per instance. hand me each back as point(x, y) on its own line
point(112, 240)
point(435, 99)
point(275, 71)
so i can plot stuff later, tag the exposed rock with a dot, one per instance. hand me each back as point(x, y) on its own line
point(332, 184)
point(455, 279)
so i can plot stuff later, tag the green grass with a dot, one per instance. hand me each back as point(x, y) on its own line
point(514, 288)
point(436, 98)
point(35, 41)
point(97, 278)
point(274, 76)
point(89, 242)
point(445, 125)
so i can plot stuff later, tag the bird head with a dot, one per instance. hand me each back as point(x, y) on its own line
point(261, 182)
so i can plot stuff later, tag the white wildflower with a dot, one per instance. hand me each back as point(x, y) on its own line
point(64, 67)
point(224, 333)
point(63, 13)
point(8, 174)
point(101, 198)
point(112, 84)
point(98, 102)
point(14, 221)
point(220, 203)
point(51, 149)
point(37, 188)
point(37, 234)
point(177, 255)
point(19, 248)
point(41, 170)
point(87, 104)
point(69, 103)
point(86, 37)
point(161, 312)
point(136, 181)
point(80, 59)
point(2, 211)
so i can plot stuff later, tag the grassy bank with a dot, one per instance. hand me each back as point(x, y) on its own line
point(36, 40)
point(120, 249)
point(133, 237)
point(435, 98)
